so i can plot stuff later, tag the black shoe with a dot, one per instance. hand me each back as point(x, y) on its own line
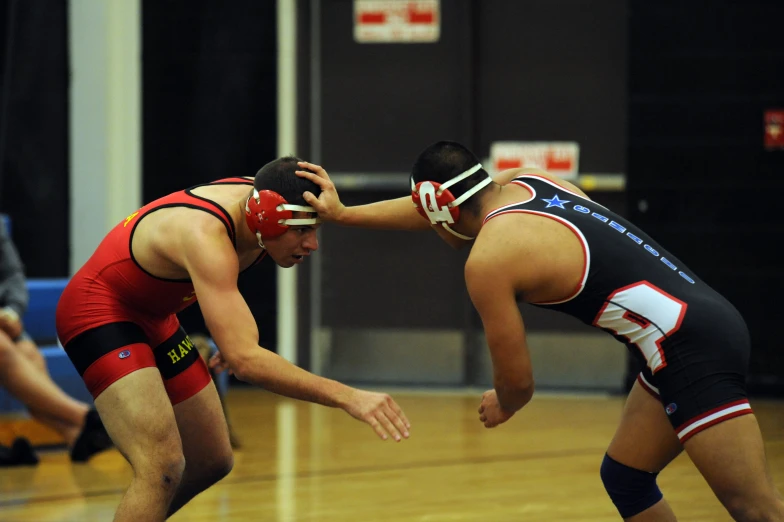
point(93, 438)
point(21, 453)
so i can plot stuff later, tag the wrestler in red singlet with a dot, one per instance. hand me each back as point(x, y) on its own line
point(114, 317)
point(117, 321)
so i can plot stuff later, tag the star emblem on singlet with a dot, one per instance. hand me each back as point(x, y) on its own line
point(555, 201)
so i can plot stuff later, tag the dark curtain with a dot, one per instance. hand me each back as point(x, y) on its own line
point(34, 131)
point(209, 78)
point(699, 178)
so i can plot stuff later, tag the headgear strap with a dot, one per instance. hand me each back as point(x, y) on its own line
point(436, 203)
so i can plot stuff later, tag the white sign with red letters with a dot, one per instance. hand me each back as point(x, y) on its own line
point(558, 158)
point(384, 21)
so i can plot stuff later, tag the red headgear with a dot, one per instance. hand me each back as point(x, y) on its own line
point(435, 202)
point(269, 216)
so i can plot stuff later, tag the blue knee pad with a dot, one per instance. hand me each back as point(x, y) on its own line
point(631, 490)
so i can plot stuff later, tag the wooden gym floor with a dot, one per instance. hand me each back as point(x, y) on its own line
point(301, 462)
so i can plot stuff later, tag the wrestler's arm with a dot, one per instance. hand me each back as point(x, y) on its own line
point(391, 214)
point(213, 267)
point(493, 287)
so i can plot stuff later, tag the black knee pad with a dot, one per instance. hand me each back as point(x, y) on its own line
point(631, 490)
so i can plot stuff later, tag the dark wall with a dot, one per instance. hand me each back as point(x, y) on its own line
point(209, 111)
point(390, 279)
point(209, 91)
point(502, 70)
point(34, 132)
point(699, 179)
point(554, 70)
point(382, 103)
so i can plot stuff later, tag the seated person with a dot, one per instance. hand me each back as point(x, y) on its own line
point(23, 369)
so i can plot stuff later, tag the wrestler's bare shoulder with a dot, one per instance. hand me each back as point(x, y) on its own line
point(504, 177)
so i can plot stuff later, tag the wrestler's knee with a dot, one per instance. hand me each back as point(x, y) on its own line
point(164, 469)
point(631, 490)
point(159, 460)
point(170, 472)
point(208, 471)
point(221, 467)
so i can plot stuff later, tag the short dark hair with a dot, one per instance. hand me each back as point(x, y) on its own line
point(444, 160)
point(278, 176)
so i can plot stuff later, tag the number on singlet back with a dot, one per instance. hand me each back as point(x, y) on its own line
point(645, 315)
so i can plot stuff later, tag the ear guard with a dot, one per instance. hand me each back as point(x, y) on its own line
point(269, 215)
point(435, 202)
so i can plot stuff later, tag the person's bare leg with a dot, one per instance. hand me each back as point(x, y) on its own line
point(35, 389)
point(68, 430)
point(645, 441)
point(731, 457)
point(31, 352)
point(205, 444)
point(140, 420)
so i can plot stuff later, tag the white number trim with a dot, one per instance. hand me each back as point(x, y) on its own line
point(645, 315)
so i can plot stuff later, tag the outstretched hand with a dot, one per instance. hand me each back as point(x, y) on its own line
point(327, 205)
point(381, 412)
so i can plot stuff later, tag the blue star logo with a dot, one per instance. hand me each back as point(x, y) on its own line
point(555, 202)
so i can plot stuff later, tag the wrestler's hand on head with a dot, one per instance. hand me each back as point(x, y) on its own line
point(380, 411)
point(328, 204)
